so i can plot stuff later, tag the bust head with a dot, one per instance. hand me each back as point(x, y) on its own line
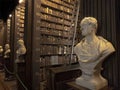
point(1, 49)
point(20, 42)
point(88, 25)
point(7, 46)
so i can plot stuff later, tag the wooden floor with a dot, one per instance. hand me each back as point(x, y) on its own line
point(1, 86)
point(7, 85)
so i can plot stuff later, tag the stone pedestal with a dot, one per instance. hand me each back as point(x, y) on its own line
point(73, 86)
point(96, 83)
point(92, 81)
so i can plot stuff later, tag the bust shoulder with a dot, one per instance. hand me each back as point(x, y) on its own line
point(105, 46)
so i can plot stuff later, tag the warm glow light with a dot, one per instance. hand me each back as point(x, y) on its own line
point(10, 15)
point(20, 1)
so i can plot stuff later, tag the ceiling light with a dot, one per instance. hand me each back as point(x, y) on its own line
point(20, 1)
point(10, 15)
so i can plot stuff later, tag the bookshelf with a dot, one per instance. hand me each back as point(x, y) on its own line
point(53, 30)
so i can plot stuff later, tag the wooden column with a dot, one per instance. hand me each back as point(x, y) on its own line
point(28, 43)
point(32, 43)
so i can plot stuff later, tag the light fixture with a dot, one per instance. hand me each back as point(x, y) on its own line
point(10, 15)
point(20, 1)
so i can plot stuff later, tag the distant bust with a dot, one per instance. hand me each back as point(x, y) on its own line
point(1, 50)
point(21, 51)
point(7, 51)
point(91, 51)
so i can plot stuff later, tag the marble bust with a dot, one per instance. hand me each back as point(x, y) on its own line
point(21, 51)
point(1, 49)
point(7, 51)
point(91, 52)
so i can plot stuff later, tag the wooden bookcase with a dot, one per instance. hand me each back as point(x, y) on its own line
point(19, 34)
point(47, 26)
point(8, 28)
point(16, 25)
point(19, 22)
point(53, 22)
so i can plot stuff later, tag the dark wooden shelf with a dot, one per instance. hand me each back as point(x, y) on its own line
point(50, 33)
point(46, 27)
point(68, 6)
point(55, 8)
point(56, 22)
point(52, 54)
point(55, 15)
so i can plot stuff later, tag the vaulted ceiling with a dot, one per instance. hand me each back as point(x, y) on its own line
point(6, 7)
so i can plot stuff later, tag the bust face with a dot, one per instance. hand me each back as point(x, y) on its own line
point(86, 29)
point(88, 26)
point(7, 46)
point(0, 47)
point(20, 42)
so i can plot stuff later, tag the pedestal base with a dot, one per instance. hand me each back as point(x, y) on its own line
point(73, 86)
point(96, 83)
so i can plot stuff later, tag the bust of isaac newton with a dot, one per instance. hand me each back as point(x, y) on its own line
point(91, 52)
